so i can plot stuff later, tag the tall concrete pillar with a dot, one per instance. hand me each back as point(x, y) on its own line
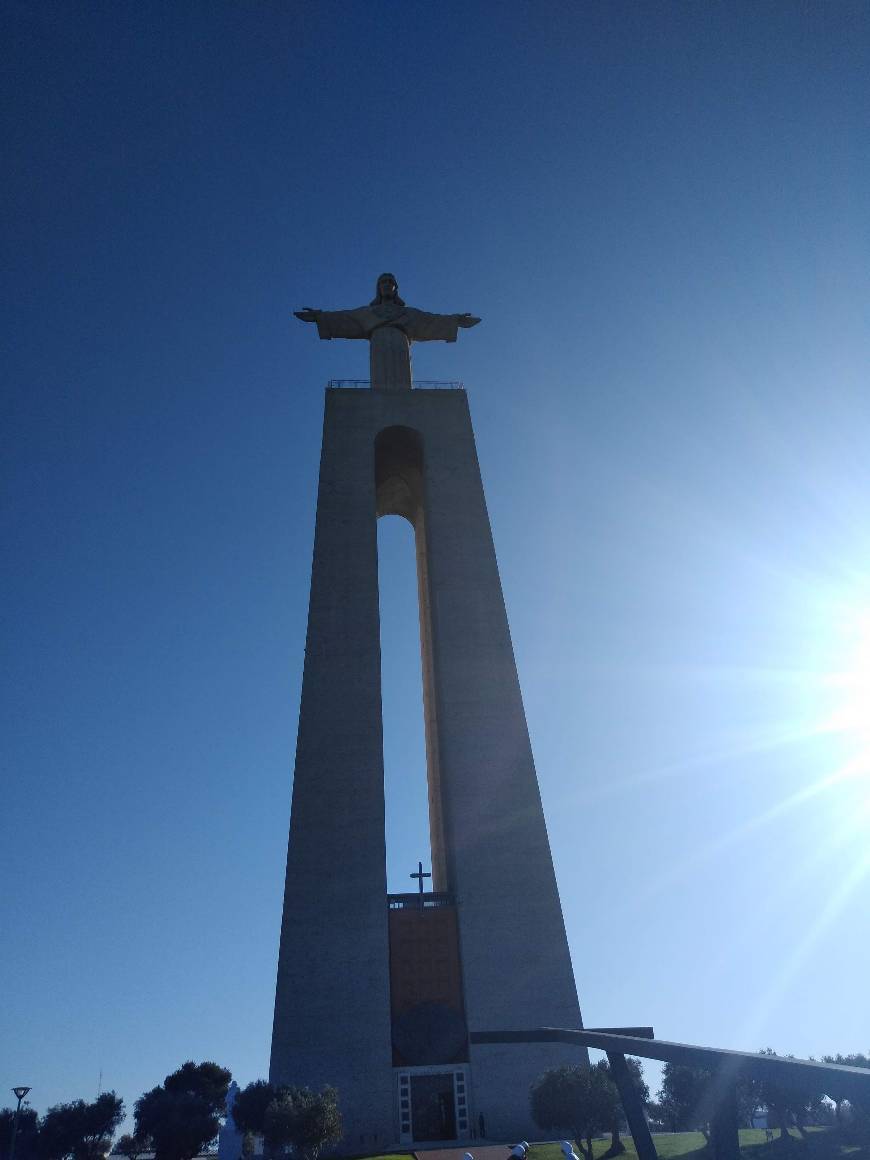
point(413, 453)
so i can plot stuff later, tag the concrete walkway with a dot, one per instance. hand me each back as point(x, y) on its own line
point(478, 1151)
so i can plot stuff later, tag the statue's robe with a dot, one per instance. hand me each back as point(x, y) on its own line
point(390, 329)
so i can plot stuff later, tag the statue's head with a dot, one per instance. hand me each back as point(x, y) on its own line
point(387, 291)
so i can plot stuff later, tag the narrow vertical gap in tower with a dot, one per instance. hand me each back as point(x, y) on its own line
point(405, 782)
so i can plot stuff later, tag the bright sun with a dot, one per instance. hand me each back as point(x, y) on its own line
point(852, 707)
point(849, 715)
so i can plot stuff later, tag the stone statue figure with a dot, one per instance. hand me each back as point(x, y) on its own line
point(230, 1139)
point(390, 327)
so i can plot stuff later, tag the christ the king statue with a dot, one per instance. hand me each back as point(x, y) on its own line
point(390, 327)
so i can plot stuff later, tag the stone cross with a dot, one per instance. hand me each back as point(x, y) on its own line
point(390, 327)
point(420, 875)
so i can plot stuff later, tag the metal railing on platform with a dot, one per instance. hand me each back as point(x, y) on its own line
point(418, 901)
point(418, 384)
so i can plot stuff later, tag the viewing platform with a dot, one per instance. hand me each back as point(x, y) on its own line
point(419, 901)
point(421, 384)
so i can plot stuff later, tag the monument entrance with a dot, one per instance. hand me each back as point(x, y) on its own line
point(433, 1107)
point(377, 994)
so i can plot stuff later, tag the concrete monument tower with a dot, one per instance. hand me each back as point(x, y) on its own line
point(377, 994)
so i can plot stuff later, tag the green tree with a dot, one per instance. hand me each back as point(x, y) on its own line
point(27, 1138)
point(177, 1125)
point(683, 1097)
point(131, 1146)
point(748, 1100)
point(794, 1097)
point(853, 1117)
point(207, 1080)
point(183, 1115)
point(772, 1093)
point(302, 1120)
point(575, 1099)
point(249, 1110)
point(278, 1124)
point(318, 1121)
point(656, 1117)
point(80, 1130)
point(635, 1068)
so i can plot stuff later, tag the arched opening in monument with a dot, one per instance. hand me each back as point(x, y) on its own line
point(410, 737)
point(405, 795)
point(428, 1026)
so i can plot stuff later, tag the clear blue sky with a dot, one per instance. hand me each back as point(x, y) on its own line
point(660, 211)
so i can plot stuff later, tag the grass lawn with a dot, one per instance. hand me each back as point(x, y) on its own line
point(820, 1145)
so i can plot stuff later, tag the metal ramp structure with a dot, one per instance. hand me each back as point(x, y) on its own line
point(726, 1067)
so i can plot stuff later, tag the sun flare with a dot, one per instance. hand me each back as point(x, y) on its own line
point(851, 714)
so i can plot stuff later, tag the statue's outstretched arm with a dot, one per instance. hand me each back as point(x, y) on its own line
point(336, 323)
point(421, 326)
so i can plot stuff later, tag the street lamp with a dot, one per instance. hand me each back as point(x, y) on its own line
point(19, 1093)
